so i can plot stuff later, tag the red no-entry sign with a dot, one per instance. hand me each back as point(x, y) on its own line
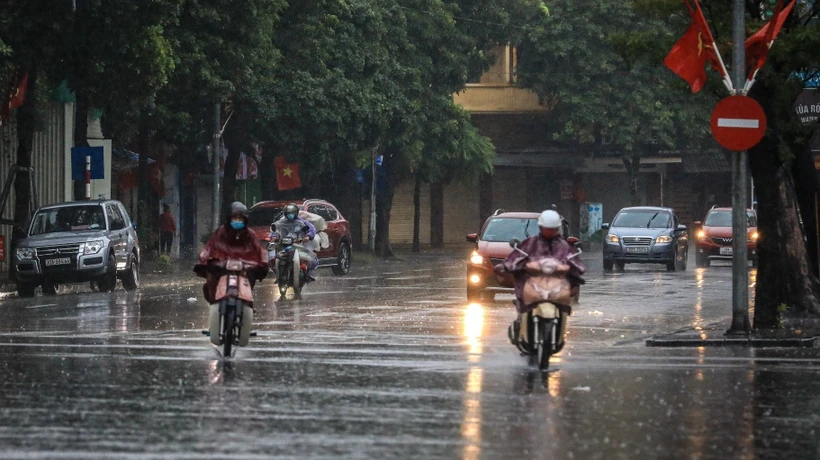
point(738, 123)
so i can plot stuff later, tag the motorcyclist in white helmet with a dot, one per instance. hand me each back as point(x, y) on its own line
point(547, 243)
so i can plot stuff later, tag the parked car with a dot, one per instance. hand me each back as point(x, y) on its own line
point(78, 242)
point(339, 253)
point(646, 235)
point(492, 246)
point(714, 236)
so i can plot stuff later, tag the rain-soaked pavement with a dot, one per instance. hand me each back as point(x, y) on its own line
point(391, 362)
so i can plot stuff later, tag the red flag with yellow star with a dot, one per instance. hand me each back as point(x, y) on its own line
point(287, 174)
point(689, 55)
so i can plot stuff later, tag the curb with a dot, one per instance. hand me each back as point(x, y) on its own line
point(751, 342)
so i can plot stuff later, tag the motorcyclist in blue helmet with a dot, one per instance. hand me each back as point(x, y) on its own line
point(291, 225)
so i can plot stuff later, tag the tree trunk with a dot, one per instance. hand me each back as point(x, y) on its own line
point(416, 214)
point(805, 180)
point(267, 174)
point(80, 134)
point(384, 204)
point(633, 167)
point(437, 214)
point(144, 214)
point(22, 181)
point(485, 198)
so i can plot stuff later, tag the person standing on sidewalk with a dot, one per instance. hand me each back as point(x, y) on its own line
point(167, 230)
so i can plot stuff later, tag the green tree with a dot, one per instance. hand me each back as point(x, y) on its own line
point(595, 64)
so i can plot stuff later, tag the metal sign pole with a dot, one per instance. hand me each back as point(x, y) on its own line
point(216, 157)
point(740, 260)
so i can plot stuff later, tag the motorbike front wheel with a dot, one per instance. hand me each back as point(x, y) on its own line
point(542, 343)
point(282, 280)
point(228, 331)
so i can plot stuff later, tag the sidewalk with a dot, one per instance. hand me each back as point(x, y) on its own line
point(803, 333)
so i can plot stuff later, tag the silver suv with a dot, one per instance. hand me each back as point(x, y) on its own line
point(78, 242)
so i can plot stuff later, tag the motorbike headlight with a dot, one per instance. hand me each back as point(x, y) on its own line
point(26, 253)
point(663, 239)
point(613, 238)
point(476, 259)
point(93, 247)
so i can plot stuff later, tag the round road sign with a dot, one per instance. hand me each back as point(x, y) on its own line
point(738, 123)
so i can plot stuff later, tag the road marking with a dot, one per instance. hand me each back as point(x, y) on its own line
point(42, 306)
point(738, 123)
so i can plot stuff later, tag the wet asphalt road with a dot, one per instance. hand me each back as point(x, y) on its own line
point(392, 362)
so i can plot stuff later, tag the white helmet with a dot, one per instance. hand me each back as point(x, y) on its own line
point(549, 219)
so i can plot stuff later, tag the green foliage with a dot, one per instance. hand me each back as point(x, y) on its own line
point(598, 64)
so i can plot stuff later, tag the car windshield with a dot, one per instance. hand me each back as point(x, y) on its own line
point(263, 217)
point(724, 219)
point(68, 219)
point(503, 229)
point(643, 219)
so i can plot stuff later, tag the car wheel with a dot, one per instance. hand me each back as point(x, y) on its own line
point(25, 290)
point(342, 266)
point(684, 262)
point(673, 264)
point(131, 279)
point(108, 282)
point(620, 266)
point(608, 265)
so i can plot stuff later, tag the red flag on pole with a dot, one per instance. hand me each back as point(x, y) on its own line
point(689, 55)
point(16, 95)
point(287, 174)
point(757, 46)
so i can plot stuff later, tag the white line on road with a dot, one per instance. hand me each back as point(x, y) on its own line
point(42, 306)
point(738, 123)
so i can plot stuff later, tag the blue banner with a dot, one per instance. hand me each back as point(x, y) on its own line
point(78, 155)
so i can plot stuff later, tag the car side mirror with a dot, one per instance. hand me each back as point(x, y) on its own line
point(698, 223)
point(514, 242)
point(605, 226)
point(472, 238)
point(681, 227)
point(134, 225)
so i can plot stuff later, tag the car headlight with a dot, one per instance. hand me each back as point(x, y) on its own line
point(613, 238)
point(26, 253)
point(93, 247)
point(754, 236)
point(476, 259)
point(663, 239)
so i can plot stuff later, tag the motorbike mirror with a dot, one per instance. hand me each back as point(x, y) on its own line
point(698, 223)
point(514, 242)
point(573, 240)
point(472, 238)
point(681, 227)
point(605, 226)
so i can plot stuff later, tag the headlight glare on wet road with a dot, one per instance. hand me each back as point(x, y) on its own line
point(476, 259)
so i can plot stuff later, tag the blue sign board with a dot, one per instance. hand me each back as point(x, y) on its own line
point(78, 155)
point(380, 160)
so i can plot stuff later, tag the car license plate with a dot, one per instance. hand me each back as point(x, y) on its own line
point(638, 250)
point(725, 251)
point(60, 261)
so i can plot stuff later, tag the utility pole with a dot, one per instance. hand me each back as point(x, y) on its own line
point(740, 259)
point(371, 234)
point(216, 151)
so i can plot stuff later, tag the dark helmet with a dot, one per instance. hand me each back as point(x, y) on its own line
point(291, 211)
point(238, 209)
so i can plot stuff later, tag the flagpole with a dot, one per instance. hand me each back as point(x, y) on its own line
point(725, 74)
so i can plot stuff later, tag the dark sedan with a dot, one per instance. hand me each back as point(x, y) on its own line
point(646, 235)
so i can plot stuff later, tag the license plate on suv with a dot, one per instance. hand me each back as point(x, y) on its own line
point(60, 261)
point(638, 250)
point(726, 251)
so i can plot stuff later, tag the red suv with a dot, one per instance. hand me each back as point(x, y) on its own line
point(492, 246)
point(337, 256)
point(714, 236)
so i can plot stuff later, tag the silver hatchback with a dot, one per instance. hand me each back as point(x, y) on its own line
point(77, 242)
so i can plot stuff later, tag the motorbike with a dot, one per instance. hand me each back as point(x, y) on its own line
point(287, 265)
point(540, 332)
point(231, 317)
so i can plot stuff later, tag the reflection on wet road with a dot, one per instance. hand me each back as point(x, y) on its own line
point(392, 362)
